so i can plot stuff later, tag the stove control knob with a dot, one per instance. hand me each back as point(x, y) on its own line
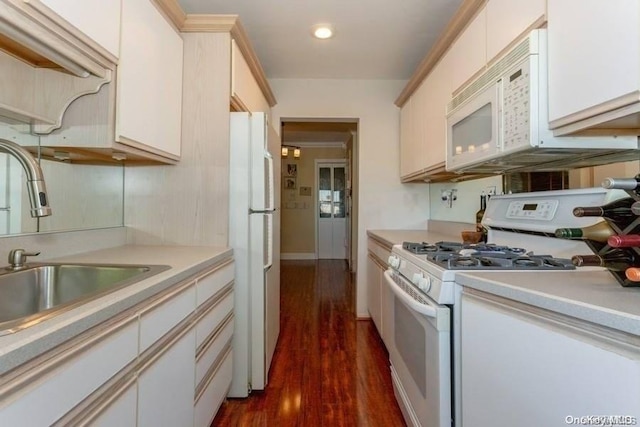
point(416, 278)
point(394, 261)
point(424, 284)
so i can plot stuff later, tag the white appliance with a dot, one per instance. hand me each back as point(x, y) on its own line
point(251, 235)
point(499, 122)
point(424, 311)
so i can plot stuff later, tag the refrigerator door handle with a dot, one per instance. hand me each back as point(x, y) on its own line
point(268, 241)
point(270, 205)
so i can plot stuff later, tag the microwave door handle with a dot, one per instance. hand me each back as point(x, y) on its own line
point(499, 114)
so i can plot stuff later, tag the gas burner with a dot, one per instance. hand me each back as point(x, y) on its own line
point(527, 262)
point(419, 248)
point(464, 261)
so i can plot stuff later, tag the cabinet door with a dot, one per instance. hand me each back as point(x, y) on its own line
point(406, 138)
point(244, 88)
point(520, 368)
point(149, 93)
point(121, 412)
point(468, 53)
point(593, 54)
point(165, 387)
point(373, 292)
point(98, 19)
point(438, 94)
point(507, 20)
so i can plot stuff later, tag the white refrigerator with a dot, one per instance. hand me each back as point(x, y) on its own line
point(254, 237)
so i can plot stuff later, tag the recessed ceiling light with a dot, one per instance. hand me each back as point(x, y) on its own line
point(322, 31)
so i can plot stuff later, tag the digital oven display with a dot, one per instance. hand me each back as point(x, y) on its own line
point(530, 207)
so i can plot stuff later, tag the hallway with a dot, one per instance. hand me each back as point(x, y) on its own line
point(329, 369)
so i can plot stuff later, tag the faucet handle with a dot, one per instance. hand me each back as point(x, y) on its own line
point(18, 257)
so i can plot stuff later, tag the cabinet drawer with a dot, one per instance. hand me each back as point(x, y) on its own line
point(209, 285)
point(209, 401)
point(51, 388)
point(214, 317)
point(164, 315)
point(207, 356)
point(378, 250)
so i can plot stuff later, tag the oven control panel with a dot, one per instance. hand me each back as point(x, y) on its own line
point(541, 210)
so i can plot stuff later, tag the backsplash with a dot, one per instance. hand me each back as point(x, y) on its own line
point(467, 201)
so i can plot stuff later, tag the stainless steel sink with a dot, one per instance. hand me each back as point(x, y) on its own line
point(39, 291)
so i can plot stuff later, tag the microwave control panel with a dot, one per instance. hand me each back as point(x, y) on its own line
point(542, 210)
point(515, 90)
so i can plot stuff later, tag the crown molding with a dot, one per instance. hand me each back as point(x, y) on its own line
point(465, 13)
point(172, 10)
point(203, 23)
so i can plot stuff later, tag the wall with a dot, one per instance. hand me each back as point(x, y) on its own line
point(383, 201)
point(468, 192)
point(188, 203)
point(298, 211)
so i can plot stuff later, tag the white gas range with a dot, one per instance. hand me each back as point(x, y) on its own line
point(424, 309)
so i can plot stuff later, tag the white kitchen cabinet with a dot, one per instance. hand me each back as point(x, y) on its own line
point(149, 81)
point(122, 411)
point(468, 54)
point(98, 19)
point(246, 94)
point(377, 297)
point(527, 367)
point(594, 61)
point(165, 387)
point(423, 124)
point(57, 383)
point(373, 292)
point(509, 20)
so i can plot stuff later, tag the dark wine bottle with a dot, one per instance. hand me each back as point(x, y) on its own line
point(598, 232)
point(624, 241)
point(480, 212)
point(622, 183)
point(616, 260)
point(619, 211)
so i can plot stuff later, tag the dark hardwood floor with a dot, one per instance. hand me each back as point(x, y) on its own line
point(329, 369)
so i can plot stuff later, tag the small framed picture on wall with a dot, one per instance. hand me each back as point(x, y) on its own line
point(292, 169)
point(289, 182)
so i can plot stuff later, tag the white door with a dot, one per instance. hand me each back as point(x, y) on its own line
point(331, 211)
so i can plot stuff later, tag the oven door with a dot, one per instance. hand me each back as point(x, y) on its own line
point(419, 350)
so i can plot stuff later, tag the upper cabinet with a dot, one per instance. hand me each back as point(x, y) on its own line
point(594, 65)
point(246, 94)
point(98, 19)
point(508, 20)
point(149, 81)
point(477, 35)
point(469, 52)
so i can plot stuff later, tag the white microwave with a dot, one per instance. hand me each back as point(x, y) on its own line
point(499, 122)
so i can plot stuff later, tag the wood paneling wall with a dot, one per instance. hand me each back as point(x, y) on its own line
point(187, 204)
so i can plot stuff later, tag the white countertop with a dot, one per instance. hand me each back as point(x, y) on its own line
point(184, 261)
point(593, 296)
point(395, 237)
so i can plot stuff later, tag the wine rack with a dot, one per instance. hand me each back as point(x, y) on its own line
point(603, 248)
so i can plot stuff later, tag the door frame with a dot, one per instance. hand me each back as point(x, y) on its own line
point(318, 163)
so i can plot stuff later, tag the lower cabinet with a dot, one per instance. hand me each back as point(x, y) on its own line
point(164, 363)
point(165, 386)
point(523, 366)
point(377, 295)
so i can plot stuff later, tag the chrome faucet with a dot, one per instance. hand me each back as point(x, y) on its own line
point(18, 258)
point(35, 179)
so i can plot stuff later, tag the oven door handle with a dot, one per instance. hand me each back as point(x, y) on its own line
point(424, 309)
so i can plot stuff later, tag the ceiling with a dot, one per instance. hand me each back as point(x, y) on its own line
point(374, 39)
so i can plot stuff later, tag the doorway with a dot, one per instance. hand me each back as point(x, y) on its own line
point(331, 209)
point(308, 140)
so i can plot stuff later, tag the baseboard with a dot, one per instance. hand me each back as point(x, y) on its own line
point(299, 255)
